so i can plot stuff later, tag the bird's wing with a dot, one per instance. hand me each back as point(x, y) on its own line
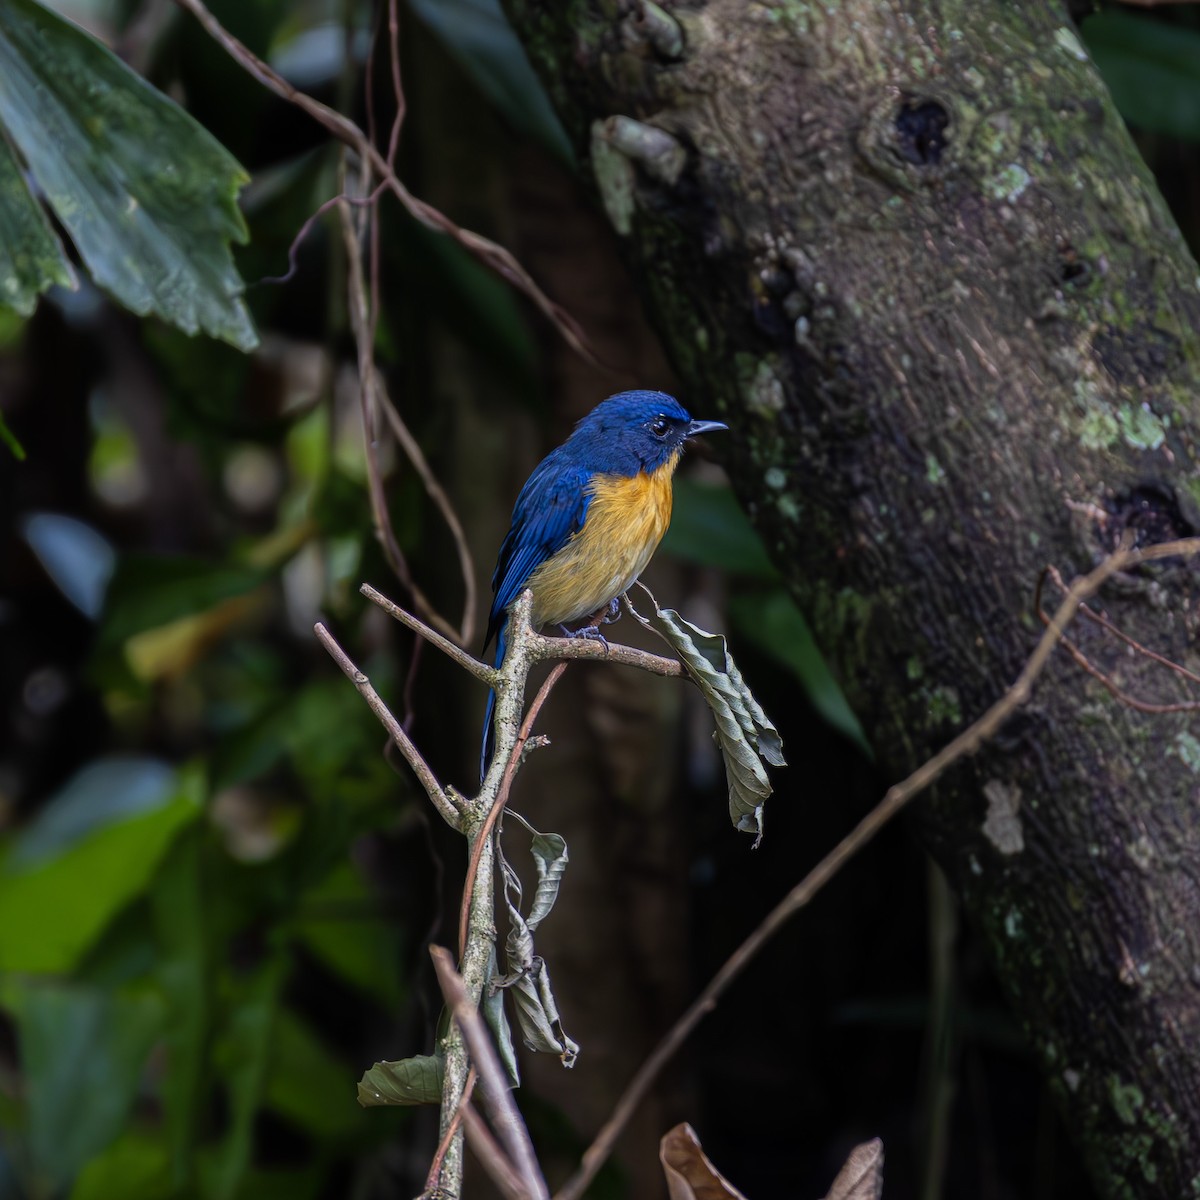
point(550, 509)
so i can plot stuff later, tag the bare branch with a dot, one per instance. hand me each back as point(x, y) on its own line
point(410, 446)
point(488, 252)
point(611, 652)
point(492, 1156)
point(452, 1127)
point(440, 796)
point(509, 1126)
point(515, 758)
point(965, 744)
point(481, 671)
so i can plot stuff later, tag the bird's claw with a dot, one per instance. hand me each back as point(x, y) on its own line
point(591, 632)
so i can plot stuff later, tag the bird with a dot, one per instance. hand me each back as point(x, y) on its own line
point(588, 520)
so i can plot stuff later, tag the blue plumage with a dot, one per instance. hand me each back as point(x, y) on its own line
point(631, 435)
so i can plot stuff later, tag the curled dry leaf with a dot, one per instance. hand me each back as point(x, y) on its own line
point(862, 1176)
point(743, 731)
point(690, 1175)
point(528, 980)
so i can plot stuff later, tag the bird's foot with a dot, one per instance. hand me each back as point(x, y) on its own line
point(591, 632)
point(613, 611)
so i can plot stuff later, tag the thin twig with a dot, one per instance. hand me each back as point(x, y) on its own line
point(510, 769)
point(965, 744)
point(481, 671)
point(1082, 659)
point(437, 493)
point(509, 1126)
point(439, 1155)
point(434, 790)
point(341, 127)
point(359, 321)
point(369, 392)
point(491, 1154)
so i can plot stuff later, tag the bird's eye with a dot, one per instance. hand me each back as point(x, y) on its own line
point(659, 426)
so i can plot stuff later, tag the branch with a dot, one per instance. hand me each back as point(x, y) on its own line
point(440, 796)
point(509, 1126)
point(370, 391)
point(346, 131)
point(967, 743)
point(515, 760)
point(481, 671)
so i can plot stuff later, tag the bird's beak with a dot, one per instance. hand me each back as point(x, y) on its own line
point(698, 427)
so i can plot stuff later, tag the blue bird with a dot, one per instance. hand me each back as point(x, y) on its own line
point(589, 518)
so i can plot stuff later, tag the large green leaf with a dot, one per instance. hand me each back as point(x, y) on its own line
point(150, 590)
point(134, 1166)
point(407, 1081)
point(185, 973)
point(478, 35)
point(77, 873)
point(31, 257)
point(1151, 67)
point(307, 1083)
point(82, 1050)
point(709, 527)
point(773, 623)
point(146, 194)
point(242, 1055)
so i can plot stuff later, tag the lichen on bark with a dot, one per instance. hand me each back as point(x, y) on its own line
point(914, 258)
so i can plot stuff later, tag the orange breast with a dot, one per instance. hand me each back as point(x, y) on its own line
point(626, 520)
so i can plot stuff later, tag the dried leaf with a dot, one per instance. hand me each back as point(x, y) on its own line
point(527, 980)
point(408, 1081)
point(493, 1013)
point(537, 1014)
point(862, 1176)
point(690, 1174)
point(550, 855)
point(744, 733)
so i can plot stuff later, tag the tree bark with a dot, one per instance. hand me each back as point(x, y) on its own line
point(908, 250)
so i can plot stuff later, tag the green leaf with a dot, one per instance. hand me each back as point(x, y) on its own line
point(307, 1083)
point(7, 436)
point(407, 1081)
point(185, 975)
point(709, 527)
point(146, 194)
point(99, 794)
point(1151, 67)
point(148, 591)
point(31, 257)
point(478, 35)
point(355, 940)
point(82, 1053)
point(743, 732)
point(77, 879)
point(134, 1166)
point(242, 1056)
point(775, 625)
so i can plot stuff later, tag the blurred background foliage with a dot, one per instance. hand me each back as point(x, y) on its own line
point(216, 891)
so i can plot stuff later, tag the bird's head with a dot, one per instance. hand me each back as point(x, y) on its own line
point(637, 431)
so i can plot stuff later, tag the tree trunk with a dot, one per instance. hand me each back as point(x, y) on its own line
point(909, 251)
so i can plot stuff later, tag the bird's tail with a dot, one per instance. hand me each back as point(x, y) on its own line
point(489, 733)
